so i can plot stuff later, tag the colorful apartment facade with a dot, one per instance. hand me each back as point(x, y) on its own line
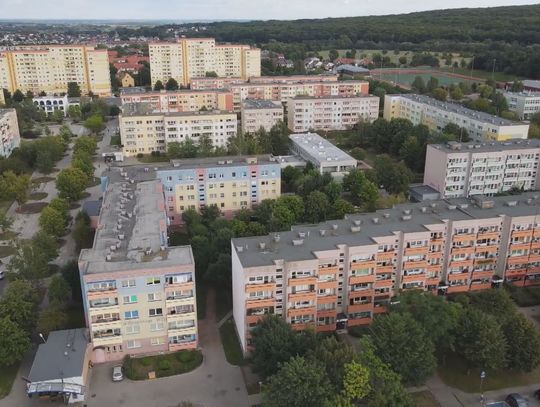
point(257, 114)
point(190, 58)
point(230, 183)
point(224, 83)
point(10, 137)
point(49, 68)
point(480, 126)
point(341, 273)
point(328, 113)
point(465, 169)
point(138, 292)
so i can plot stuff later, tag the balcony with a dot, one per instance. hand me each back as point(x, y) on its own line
point(384, 256)
point(384, 269)
point(435, 255)
point(311, 310)
point(380, 309)
point(326, 313)
point(328, 270)
point(261, 302)
point(433, 280)
point(327, 284)
point(480, 286)
point(482, 274)
point(107, 340)
point(183, 330)
point(362, 293)
point(436, 241)
point(364, 264)
point(109, 323)
point(186, 285)
point(383, 283)
point(488, 235)
point(462, 250)
point(518, 259)
point(93, 295)
point(520, 246)
point(486, 248)
point(413, 277)
point(109, 308)
point(173, 347)
point(180, 300)
point(370, 278)
point(523, 233)
point(250, 288)
point(434, 268)
point(461, 263)
point(368, 306)
point(300, 326)
point(327, 299)
point(458, 289)
point(534, 257)
point(359, 321)
point(311, 280)
point(411, 251)
point(466, 237)
point(457, 276)
point(515, 272)
point(302, 296)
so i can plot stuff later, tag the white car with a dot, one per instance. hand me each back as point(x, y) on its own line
point(117, 374)
point(2, 274)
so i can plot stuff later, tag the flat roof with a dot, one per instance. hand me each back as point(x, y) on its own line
point(145, 109)
point(172, 92)
point(227, 161)
point(260, 104)
point(490, 147)
point(330, 97)
point(366, 228)
point(5, 112)
point(423, 189)
point(523, 94)
point(455, 108)
point(319, 149)
point(531, 83)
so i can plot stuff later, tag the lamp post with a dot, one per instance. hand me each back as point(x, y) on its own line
point(482, 377)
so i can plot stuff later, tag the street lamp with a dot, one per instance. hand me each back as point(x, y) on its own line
point(482, 377)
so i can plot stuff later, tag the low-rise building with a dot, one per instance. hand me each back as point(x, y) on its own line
point(260, 113)
point(464, 169)
point(10, 137)
point(138, 292)
point(324, 156)
point(50, 104)
point(126, 80)
point(327, 113)
point(525, 104)
point(480, 126)
point(230, 183)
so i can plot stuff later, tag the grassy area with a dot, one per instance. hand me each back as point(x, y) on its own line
point(75, 314)
point(169, 364)
point(6, 251)
point(424, 399)
point(9, 235)
point(37, 196)
point(41, 180)
point(34, 207)
point(178, 239)
point(455, 374)
point(476, 73)
point(115, 140)
point(201, 300)
point(7, 377)
point(231, 345)
point(5, 205)
point(223, 302)
point(524, 296)
point(148, 159)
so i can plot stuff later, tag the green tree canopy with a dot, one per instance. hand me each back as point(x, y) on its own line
point(171, 84)
point(71, 183)
point(73, 90)
point(14, 342)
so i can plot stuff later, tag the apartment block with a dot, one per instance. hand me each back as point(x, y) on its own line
point(50, 68)
point(341, 273)
point(230, 183)
point(223, 83)
point(214, 83)
point(525, 104)
point(480, 126)
point(194, 57)
point(138, 292)
point(260, 113)
point(464, 169)
point(146, 132)
point(330, 112)
point(182, 100)
point(324, 156)
point(10, 137)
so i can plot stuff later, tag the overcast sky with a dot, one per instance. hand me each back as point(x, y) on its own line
point(225, 9)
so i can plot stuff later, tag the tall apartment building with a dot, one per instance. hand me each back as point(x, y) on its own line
point(50, 68)
point(341, 273)
point(223, 83)
point(182, 100)
point(436, 115)
point(214, 83)
point(194, 57)
point(525, 104)
point(9, 132)
point(465, 169)
point(260, 113)
point(138, 292)
point(230, 183)
point(146, 132)
point(330, 112)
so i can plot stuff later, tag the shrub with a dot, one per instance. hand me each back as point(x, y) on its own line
point(164, 365)
point(140, 155)
point(145, 361)
point(185, 357)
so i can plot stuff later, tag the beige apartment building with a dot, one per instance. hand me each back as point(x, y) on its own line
point(260, 113)
point(464, 169)
point(138, 292)
point(10, 137)
point(341, 273)
point(143, 133)
point(49, 68)
point(330, 112)
point(194, 57)
point(222, 83)
point(480, 126)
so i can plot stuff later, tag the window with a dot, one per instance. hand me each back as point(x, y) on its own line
point(130, 299)
point(154, 297)
point(128, 283)
point(157, 326)
point(132, 329)
point(133, 344)
point(155, 312)
point(179, 278)
point(102, 286)
point(157, 341)
point(153, 280)
point(131, 314)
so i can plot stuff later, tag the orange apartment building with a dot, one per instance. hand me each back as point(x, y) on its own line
point(341, 273)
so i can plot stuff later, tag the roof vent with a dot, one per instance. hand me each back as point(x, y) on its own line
point(407, 211)
point(121, 236)
point(529, 201)
point(511, 203)
point(406, 217)
point(423, 209)
point(355, 229)
point(386, 215)
point(277, 238)
point(148, 251)
point(322, 232)
point(113, 248)
point(375, 220)
point(162, 248)
point(302, 234)
point(118, 244)
point(433, 205)
point(108, 257)
point(298, 242)
point(464, 206)
point(451, 207)
point(262, 245)
point(239, 249)
point(334, 226)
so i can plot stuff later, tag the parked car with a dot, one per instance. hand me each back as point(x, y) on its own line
point(537, 394)
point(117, 374)
point(517, 400)
point(2, 274)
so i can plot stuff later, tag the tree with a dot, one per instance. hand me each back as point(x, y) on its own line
point(524, 352)
point(402, 60)
point(355, 381)
point(401, 342)
point(219, 272)
point(85, 143)
point(73, 90)
point(13, 186)
point(456, 93)
point(317, 207)
point(440, 94)
point(418, 85)
point(340, 208)
point(211, 74)
point(28, 263)
point(184, 149)
point(498, 101)
point(171, 84)
point(495, 302)
point(58, 116)
point(59, 291)
point(18, 96)
point(5, 221)
point(71, 183)
point(158, 86)
point(82, 232)
point(333, 191)
point(51, 319)
point(74, 112)
point(94, 123)
point(432, 84)
point(485, 91)
point(46, 244)
point(83, 161)
point(394, 177)
point(282, 218)
point(363, 191)
point(52, 221)
point(333, 54)
point(298, 383)
point(20, 304)
point(14, 342)
point(44, 161)
point(517, 86)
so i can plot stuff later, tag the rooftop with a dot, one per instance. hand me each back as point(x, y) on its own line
point(211, 162)
point(260, 104)
point(140, 90)
point(145, 109)
point(455, 108)
point(332, 97)
point(491, 147)
point(529, 83)
point(318, 148)
point(302, 241)
point(525, 94)
point(5, 112)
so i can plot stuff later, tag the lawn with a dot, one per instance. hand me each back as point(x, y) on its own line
point(7, 251)
point(9, 235)
point(34, 207)
point(424, 399)
point(454, 374)
point(7, 377)
point(148, 159)
point(231, 345)
point(37, 196)
point(115, 140)
point(524, 296)
point(178, 239)
point(5, 205)
point(169, 364)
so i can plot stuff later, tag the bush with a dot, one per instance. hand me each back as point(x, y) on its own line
point(358, 331)
point(140, 155)
point(164, 365)
point(185, 357)
point(145, 361)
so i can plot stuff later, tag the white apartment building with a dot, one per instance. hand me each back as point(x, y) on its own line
point(194, 57)
point(525, 104)
point(463, 169)
point(49, 104)
point(260, 113)
point(144, 133)
point(9, 132)
point(420, 109)
point(330, 112)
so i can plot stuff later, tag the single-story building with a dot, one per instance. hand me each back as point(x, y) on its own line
point(351, 70)
point(421, 193)
point(92, 209)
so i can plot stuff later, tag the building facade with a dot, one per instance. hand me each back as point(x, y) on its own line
point(230, 183)
point(50, 104)
point(260, 113)
point(330, 112)
point(50, 68)
point(480, 126)
point(195, 57)
point(525, 104)
point(465, 169)
point(144, 133)
point(341, 273)
point(138, 292)
point(10, 137)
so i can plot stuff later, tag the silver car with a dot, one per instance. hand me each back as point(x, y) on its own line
point(117, 374)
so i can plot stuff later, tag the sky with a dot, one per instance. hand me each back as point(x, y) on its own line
point(225, 9)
